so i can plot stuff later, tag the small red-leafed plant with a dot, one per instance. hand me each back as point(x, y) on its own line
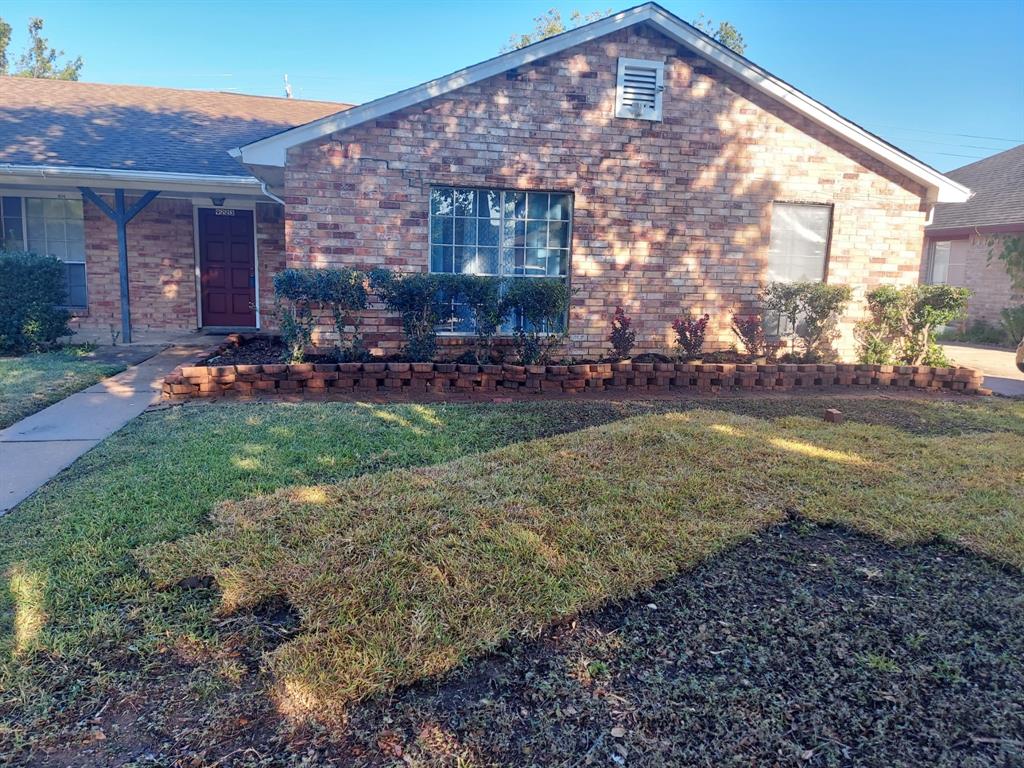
point(622, 336)
point(750, 331)
point(690, 335)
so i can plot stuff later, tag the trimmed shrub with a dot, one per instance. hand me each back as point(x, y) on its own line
point(481, 294)
point(422, 301)
point(32, 290)
point(538, 305)
point(811, 309)
point(622, 336)
point(690, 334)
point(301, 295)
point(903, 320)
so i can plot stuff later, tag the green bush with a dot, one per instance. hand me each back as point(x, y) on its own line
point(422, 301)
point(482, 295)
point(32, 290)
point(1013, 324)
point(979, 332)
point(539, 305)
point(903, 321)
point(300, 295)
point(811, 309)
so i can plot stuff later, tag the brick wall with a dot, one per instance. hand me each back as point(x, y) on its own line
point(669, 216)
point(162, 264)
point(988, 280)
point(271, 249)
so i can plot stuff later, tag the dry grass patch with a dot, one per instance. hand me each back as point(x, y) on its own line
point(404, 574)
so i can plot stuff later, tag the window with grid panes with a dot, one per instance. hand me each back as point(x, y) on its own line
point(498, 232)
point(55, 227)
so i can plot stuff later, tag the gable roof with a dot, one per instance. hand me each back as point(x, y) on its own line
point(998, 186)
point(65, 124)
point(272, 150)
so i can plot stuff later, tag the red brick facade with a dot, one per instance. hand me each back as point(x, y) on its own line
point(162, 268)
point(669, 216)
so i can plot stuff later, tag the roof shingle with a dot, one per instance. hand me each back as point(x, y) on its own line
point(130, 127)
point(998, 186)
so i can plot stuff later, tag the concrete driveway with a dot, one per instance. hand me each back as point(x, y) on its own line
point(998, 365)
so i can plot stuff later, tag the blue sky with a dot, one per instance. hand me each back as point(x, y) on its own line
point(942, 80)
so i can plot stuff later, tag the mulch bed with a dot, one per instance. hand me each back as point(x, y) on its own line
point(807, 646)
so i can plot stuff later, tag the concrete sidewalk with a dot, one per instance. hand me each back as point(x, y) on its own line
point(38, 447)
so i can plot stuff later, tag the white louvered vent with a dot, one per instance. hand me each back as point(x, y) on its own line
point(639, 89)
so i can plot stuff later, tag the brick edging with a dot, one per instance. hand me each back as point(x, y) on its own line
point(317, 380)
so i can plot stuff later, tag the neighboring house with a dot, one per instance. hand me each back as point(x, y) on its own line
point(634, 157)
point(197, 251)
point(961, 238)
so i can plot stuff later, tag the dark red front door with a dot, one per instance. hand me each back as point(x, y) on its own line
point(227, 267)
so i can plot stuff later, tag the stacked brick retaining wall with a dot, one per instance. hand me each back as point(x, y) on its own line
point(352, 380)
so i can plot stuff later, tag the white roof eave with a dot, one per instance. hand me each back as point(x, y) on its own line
point(273, 150)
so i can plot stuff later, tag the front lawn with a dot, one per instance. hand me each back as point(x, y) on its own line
point(362, 572)
point(32, 382)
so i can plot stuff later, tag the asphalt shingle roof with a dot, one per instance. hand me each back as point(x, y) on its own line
point(130, 127)
point(998, 186)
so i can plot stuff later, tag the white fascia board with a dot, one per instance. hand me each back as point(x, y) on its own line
point(272, 151)
point(102, 178)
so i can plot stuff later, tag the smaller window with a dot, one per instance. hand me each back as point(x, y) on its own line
point(938, 262)
point(12, 232)
point(639, 89)
point(56, 227)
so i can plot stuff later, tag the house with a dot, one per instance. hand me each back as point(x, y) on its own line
point(76, 157)
point(634, 157)
point(961, 238)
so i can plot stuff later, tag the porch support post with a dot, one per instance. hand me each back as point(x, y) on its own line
point(121, 215)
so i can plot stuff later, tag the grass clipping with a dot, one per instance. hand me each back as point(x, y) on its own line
point(404, 574)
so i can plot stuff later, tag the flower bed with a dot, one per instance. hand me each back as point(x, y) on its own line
point(346, 380)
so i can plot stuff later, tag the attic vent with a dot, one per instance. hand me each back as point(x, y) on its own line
point(639, 89)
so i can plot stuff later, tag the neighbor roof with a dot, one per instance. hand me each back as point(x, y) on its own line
point(59, 123)
point(272, 150)
point(998, 186)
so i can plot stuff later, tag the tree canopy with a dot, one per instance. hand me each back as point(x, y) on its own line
point(40, 59)
point(552, 23)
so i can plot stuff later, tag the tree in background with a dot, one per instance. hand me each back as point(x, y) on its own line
point(39, 59)
point(725, 33)
point(551, 24)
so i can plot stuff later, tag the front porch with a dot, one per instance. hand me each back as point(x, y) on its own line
point(149, 258)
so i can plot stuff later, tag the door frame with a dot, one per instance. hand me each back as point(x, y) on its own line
point(237, 205)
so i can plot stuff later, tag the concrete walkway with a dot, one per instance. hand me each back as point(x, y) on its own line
point(998, 365)
point(38, 447)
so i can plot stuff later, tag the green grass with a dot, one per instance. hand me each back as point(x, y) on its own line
point(401, 575)
point(32, 382)
point(502, 534)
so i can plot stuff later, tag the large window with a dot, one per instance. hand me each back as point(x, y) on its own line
point(505, 233)
point(798, 250)
point(799, 242)
point(55, 227)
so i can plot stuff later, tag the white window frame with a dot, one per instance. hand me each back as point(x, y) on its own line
point(659, 89)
